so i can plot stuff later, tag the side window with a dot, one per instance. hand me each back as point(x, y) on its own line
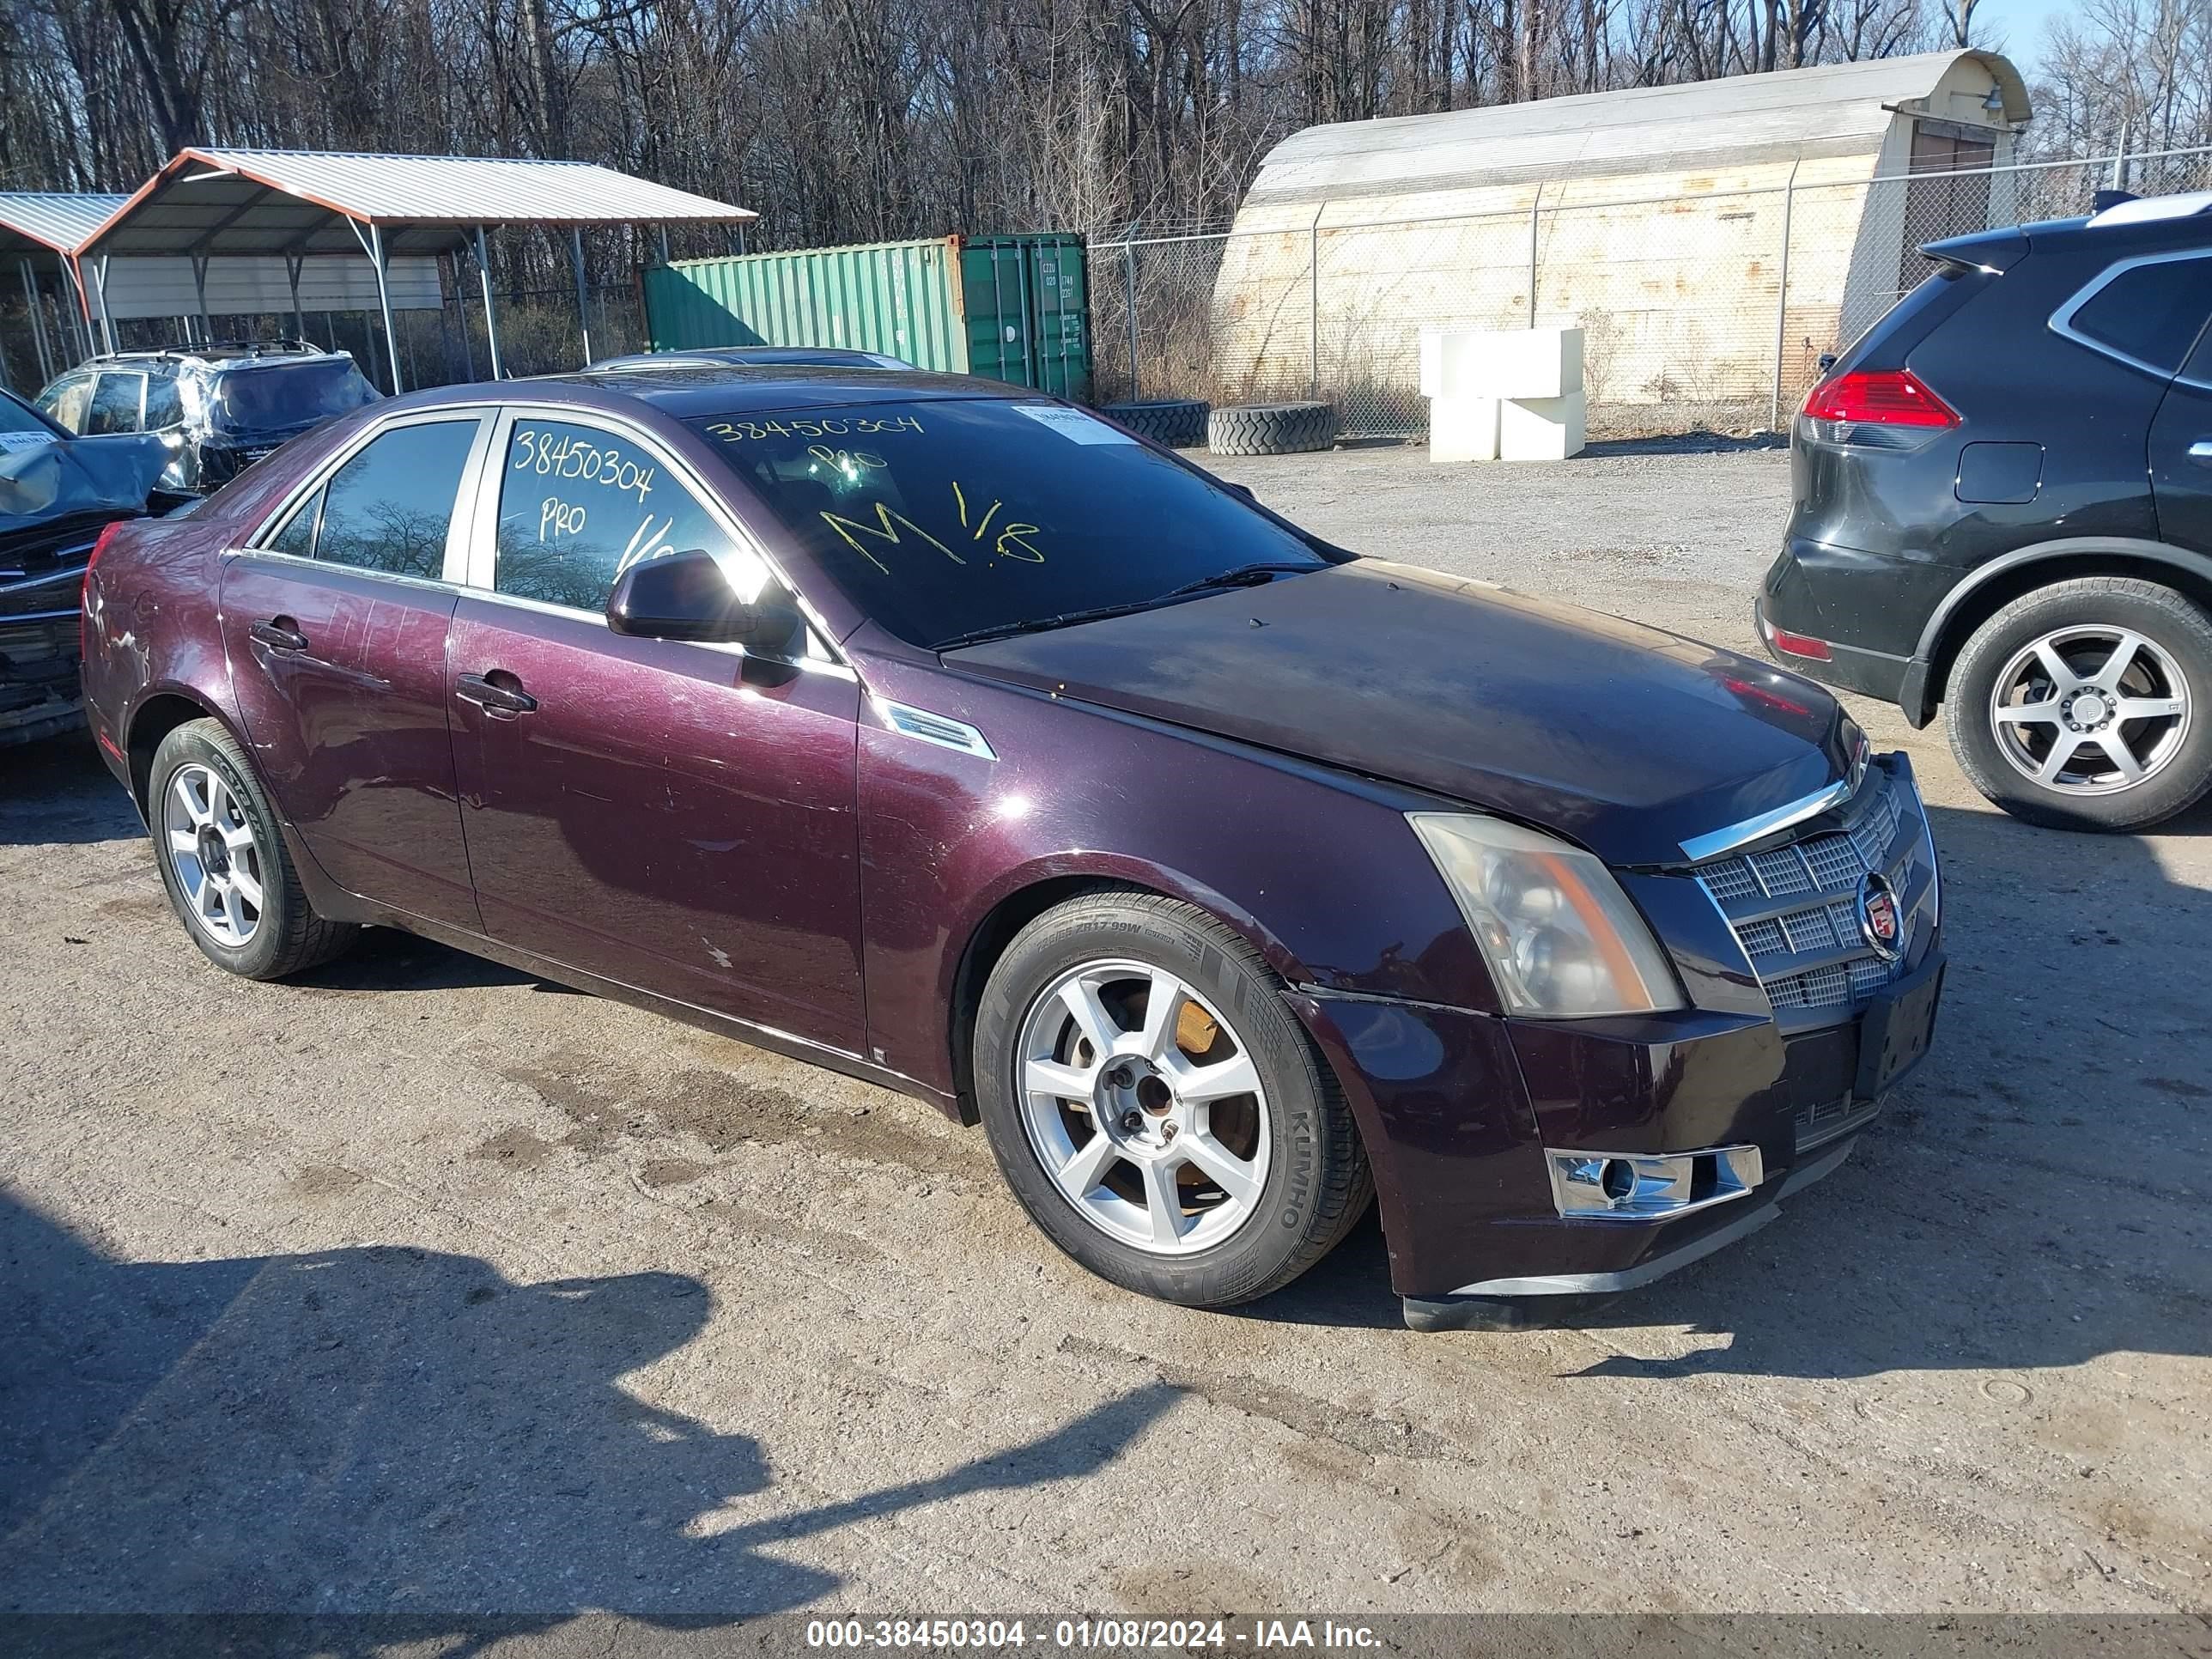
point(389, 508)
point(578, 505)
point(115, 402)
point(2152, 314)
point(65, 400)
point(297, 537)
point(164, 407)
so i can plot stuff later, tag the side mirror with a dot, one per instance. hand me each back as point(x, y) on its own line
point(685, 596)
point(1827, 362)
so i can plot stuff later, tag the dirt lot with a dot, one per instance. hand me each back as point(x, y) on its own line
point(420, 1285)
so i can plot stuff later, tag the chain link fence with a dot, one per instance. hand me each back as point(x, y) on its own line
point(541, 331)
point(1698, 313)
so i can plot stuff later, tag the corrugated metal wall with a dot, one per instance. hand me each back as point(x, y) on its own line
point(1014, 308)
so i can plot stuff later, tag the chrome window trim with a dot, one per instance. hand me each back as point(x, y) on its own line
point(835, 670)
point(480, 570)
point(1716, 842)
point(275, 522)
point(2062, 320)
point(428, 584)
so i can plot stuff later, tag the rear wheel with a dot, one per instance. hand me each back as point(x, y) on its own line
point(228, 877)
point(1155, 1106)
point(2079, 706)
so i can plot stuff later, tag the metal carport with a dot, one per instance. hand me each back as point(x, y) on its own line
point(39, 234)
point(301, 205)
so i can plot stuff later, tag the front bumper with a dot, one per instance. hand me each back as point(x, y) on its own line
point(1462, 1111)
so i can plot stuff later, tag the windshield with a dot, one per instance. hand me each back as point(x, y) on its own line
point(947, 519)
point(16, 416)
point(267, 396)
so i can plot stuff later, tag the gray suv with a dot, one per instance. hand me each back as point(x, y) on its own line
point(219, 408)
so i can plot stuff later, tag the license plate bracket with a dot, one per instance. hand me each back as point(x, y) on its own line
point(1899, 1024)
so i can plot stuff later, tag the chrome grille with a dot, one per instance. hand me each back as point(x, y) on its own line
point(1795, 908)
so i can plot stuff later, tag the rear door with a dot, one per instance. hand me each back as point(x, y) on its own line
point(2181, 436)
point(335, 624)
point(673, 817)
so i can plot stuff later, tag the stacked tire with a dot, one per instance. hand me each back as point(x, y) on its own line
point(1175, 422)
point(1271, 430)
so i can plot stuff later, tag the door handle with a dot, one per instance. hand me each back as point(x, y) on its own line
point(278, 634)
point(2201, 450)
point(500, 701)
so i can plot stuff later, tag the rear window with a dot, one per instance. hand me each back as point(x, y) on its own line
point(941, 520)
point(272, 397)
point(2151, 312)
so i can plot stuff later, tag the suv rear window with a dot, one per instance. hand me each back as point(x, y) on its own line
point(2151, 313)
point(273, 397)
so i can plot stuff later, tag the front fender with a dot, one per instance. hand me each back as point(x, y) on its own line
point(1317, 869)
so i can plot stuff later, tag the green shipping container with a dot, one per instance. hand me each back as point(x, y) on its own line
point(1014, 308)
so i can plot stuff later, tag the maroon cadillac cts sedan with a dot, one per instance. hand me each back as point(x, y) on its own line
point(956, 739)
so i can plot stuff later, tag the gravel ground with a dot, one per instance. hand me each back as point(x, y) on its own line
point(420, 1285)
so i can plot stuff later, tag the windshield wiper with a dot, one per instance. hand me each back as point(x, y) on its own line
point(1244, 575)
point(1041, 624)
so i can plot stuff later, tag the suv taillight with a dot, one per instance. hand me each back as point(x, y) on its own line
point(1883, 397)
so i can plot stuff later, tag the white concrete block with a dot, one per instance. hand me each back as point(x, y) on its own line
point(1462, 429)
point(1516, 362)
point(1541, 428)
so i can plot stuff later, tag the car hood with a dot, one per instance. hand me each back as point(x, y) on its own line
point(1624, 739)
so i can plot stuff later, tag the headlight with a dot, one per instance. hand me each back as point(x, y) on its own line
point(1560, 934)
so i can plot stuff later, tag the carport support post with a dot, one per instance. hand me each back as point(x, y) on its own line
point(99, 288)
point(1782, 300)
point(583, 296)
point(384, 302)
point(38, 322)
point(491, 323)
point(292, 263)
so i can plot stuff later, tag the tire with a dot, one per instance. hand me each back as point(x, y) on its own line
point(1313, 1180)
point(2084, 622)
point(200, 771)
point(1175, 422)
point(1271, 430)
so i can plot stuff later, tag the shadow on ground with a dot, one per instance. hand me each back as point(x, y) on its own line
point(393, 1431)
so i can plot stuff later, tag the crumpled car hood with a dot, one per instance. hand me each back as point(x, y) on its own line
point(1619, 737)
point(53, 479)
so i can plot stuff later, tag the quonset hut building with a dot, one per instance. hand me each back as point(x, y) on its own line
point(1711, 239)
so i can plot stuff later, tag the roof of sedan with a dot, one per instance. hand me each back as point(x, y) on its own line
point(701, 389)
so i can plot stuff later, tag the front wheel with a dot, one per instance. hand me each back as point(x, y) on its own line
point(2080, 706)
point(223, 862)
point(1157, 1109)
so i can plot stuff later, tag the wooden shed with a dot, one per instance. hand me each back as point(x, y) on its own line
point(1711, 239)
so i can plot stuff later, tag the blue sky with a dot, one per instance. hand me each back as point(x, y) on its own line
point(2020, 22)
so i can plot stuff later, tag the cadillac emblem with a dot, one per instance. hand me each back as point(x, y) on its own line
point(1879, 919)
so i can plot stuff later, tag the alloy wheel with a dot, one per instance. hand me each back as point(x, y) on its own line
point(1144, 1107)
point(210, 845)
point(2090, 710)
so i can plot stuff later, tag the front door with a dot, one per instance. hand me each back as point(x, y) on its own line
point(335, 627)
point(675, 817)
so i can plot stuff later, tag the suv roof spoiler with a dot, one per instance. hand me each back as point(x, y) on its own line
point(2148, 210)
point(1985, 250)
